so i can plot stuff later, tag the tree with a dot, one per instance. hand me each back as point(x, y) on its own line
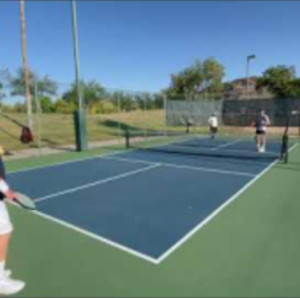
point(46, 104)
point(295, 88)
point(197, 79)
point(92, 93)
point(64, 107)
point(2, 94)
point(45, 85)
point(281, 81)
point(158, 100)
point(187, 82)
point(213, 73)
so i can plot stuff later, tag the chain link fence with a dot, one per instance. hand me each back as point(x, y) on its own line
point(234, 115)
point(109, 112)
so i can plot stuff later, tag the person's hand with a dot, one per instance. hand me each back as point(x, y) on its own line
point(10, 194)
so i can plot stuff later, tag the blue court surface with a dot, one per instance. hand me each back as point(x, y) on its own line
point(146, 203)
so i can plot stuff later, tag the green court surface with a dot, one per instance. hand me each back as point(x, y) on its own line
point(250, 249)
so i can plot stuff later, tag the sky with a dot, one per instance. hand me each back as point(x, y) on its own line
point(136, 45)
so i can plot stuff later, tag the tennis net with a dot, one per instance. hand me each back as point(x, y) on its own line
point(197, 144)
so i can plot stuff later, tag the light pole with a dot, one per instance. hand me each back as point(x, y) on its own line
point(25, 64)
point(247, 71)
point(79, 115)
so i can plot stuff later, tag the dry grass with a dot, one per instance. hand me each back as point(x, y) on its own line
point(58, 129)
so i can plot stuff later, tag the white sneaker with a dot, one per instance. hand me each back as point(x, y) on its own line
point(10, 286)
point(7, 273)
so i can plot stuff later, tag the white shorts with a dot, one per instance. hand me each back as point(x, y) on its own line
point(5, 223)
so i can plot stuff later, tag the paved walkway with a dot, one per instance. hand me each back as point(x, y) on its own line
point(34, 152)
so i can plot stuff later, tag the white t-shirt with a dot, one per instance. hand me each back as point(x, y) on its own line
point(213, 121)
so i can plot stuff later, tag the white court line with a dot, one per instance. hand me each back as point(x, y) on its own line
point(178, 166)
point(259, 161)
point(217, 211)
point(70, 161)
point(267, 153)
point(211, 216)
point(141, 255)
point(57, 164)
point(97, 237)
point(102, 181)
point(226, 145)
point(131, 160)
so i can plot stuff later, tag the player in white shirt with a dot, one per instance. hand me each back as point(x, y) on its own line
point(213, 125)
point(8, 286)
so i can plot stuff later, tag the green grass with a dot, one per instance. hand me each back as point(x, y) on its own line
point(250, 249)
point(58, 129)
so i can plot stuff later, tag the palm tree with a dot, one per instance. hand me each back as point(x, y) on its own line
point(25, 66)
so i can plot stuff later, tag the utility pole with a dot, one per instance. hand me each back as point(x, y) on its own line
point(247, 72)
point(79, 115)
point(25, 65)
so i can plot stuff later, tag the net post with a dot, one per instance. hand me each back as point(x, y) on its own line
point(284, 147)
point(119, 116)
point(80, 130)
point(127, 141)
point(165, 113)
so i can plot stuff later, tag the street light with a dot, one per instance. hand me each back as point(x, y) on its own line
point(79, 115)
point(247, 70)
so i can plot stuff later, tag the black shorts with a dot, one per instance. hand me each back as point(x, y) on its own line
point(213, 129)
point(2, 175)
point(260, 132)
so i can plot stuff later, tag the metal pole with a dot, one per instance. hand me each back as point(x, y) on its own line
point(119, 116)
point(38, 113)
point(145, 115)
point(25, 65)
point(247, 72)
point(76, 54)
point(247, 75)
point(165, 113)
point(79, 115)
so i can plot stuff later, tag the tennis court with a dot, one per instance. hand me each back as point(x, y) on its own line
point(138, 211)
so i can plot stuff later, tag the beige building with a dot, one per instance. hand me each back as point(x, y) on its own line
point(238, 89)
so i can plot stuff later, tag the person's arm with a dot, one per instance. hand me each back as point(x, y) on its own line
point(5, 189)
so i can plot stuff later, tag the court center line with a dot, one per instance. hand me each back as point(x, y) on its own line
point(102, 181)
point(186, 167)
point(131, 160)
point(226, 145)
